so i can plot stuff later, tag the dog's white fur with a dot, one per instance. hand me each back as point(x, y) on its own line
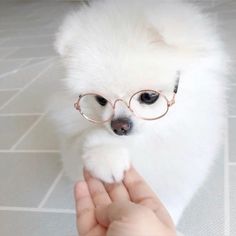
point(117, 47)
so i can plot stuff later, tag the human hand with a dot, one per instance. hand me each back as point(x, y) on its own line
point(129, 208)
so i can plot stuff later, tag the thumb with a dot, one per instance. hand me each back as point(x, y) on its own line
point(127, 213)
point(116, 211)
point(105, 215)
point(128, 210)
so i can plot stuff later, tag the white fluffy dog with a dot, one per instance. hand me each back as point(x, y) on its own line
point(115, 48)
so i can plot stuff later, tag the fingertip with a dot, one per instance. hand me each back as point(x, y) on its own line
point(131, 175)
point(101, 213)
point(81, 190)
point(87, 174)
point(117, 191)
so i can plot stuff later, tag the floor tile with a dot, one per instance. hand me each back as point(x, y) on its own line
point(224, 7)
point(232, 100)
point(62, 196)
point(23, 75)
point(12, 128)
point(228, 35)
point(202, 217)
point(26, 177)
point(232, 138)
point(41, 91)
point(41, 137)
point(37, 224)
point(2, 41)
point(24, 24)
point(5, 95)
point(4, 52)
point(28, 42)
point(206, 4)
point(29, 52)
point(233, 200)
point(10, 65)
point(232, 74)
point(39, 31)
point(35, 61)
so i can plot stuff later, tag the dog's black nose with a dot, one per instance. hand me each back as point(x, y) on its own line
point(121, 126)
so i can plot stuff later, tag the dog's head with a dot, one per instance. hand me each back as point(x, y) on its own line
point(114, 50)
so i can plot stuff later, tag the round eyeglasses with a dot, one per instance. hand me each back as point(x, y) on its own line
point(145, 104)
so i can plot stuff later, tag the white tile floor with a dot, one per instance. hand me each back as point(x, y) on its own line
point(35, 197)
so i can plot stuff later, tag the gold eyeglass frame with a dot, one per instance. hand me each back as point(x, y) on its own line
point(113, 104)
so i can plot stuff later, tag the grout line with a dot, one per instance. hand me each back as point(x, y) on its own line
point(226, 183)
point(21, 114)
point(25, 66)
point(32, 209)
point(18, 67)
point(50, 190)
point(8, 73)
point(42, 61)
point(24, 58)
point(27, 132)
point(26, 86)
point(25, 63)
point(29, 151)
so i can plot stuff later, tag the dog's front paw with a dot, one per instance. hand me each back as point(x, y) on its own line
point(107, 163)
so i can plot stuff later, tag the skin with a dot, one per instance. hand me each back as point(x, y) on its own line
point(128, 208)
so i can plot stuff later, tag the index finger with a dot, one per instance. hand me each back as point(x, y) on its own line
point(97, 190)
point(84, 208)
point(141, 193)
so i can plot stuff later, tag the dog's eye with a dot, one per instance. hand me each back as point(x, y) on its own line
point(148, 98)
point(101, 100)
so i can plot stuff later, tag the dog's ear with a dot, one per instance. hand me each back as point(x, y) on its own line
point(187, 33)
point(66, 35)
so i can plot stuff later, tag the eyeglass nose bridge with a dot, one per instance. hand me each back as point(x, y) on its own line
point(124, 102)
point(120, 100)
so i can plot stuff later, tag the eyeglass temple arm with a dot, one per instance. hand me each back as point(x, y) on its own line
point(175, 89)
point(177, 82)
